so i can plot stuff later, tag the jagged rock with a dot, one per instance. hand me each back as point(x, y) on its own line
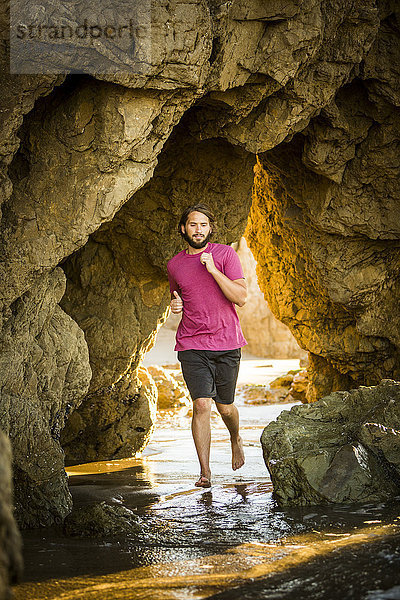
point(114, 423)
point(323, 378)
point(278, 395)
point(265, 335)
point(292, 61)
point(17, 98)
point(10, 541)
point(102, 520)
point(343, 448)
point(252, 394)
point(170, 392)
point(45, 373)
point(385, 441)
point(295, 383)
point(99, 138)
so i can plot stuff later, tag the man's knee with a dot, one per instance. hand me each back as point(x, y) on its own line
point(225, 409)
point(202, 406)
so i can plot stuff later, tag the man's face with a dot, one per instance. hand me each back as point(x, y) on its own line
point(197, 230)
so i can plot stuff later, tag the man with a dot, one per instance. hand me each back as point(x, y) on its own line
point(206, 281)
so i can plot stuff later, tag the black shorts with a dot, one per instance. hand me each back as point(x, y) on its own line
point(211, 373)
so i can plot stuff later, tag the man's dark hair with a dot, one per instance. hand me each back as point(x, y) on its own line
point(202, 208)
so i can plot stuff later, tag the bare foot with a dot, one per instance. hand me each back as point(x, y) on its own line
point(237, 454)
point(203, 481)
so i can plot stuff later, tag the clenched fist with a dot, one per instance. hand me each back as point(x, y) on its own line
point(207, 259)
point(176, 303)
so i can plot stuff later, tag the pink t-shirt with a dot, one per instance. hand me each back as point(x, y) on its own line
point(209, 320)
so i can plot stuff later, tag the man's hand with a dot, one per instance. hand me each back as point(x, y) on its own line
point(176, 303)
point(207, 259)
point(234, 290)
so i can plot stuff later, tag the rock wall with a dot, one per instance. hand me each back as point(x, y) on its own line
point(73, 151)
point(96, 171)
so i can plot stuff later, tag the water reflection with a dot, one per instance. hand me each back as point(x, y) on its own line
point(206, 499)
point(129, 481)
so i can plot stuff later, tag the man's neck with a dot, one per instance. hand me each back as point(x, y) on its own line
point(190, 250)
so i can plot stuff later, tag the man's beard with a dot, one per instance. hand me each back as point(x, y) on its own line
point(197, 245)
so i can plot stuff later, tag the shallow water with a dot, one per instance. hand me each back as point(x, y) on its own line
point(231, 541)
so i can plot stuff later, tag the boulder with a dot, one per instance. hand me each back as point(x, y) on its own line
point(277, 395)
point(252, 394)
point(260, 394)
point(102, 520)
point(171, 393)
point(114, 423)
point(283, 381)
point(344, 448)
point(299, 386)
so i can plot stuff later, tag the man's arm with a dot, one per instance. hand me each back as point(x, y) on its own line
point(234, 290)
point(176, 300)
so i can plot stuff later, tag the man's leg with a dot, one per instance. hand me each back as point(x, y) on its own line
point(230, 416)
point(226, 378)
point(201, 430)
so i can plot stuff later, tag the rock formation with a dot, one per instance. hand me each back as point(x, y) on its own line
point(10, 542)
point(96, 170)
point(45, 373)
point(288, 388)
point(115, 422)
point(343, 448)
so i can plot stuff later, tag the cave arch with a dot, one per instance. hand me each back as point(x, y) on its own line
point(117, 289)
